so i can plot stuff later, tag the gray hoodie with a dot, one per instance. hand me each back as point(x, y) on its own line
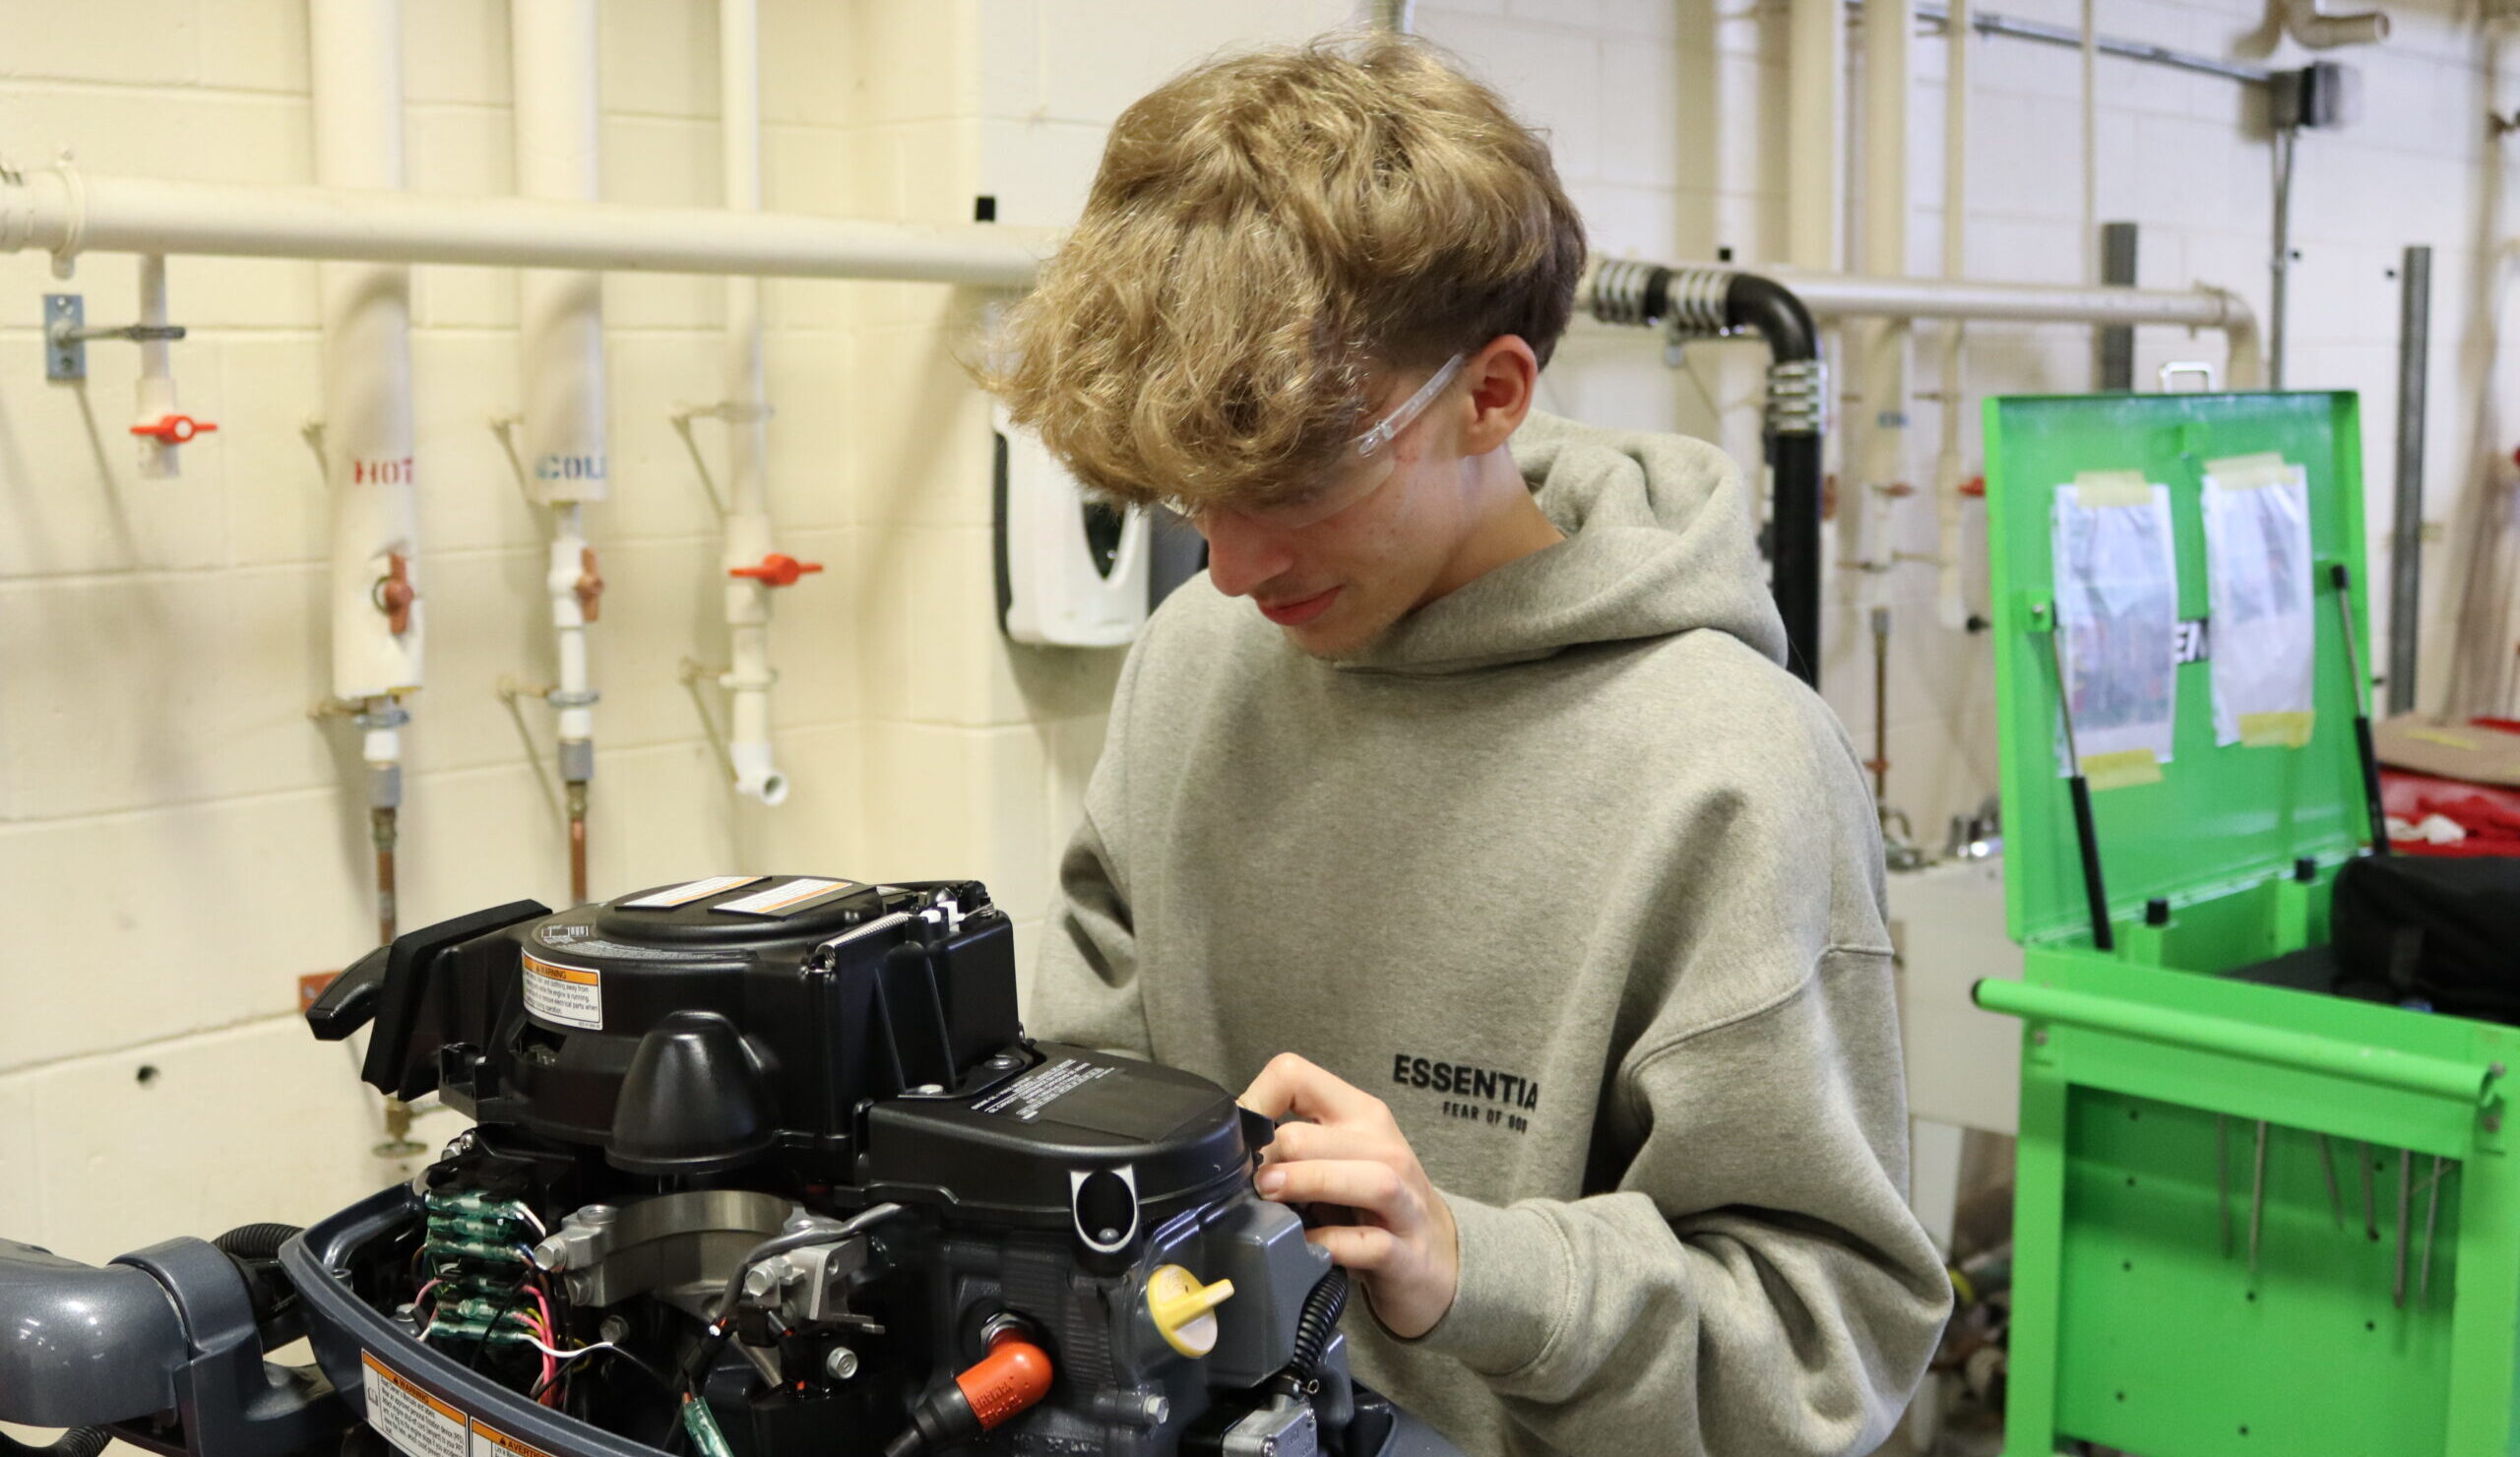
point(1571, 873)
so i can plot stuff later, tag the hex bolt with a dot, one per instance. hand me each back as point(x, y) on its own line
point(841, 1364)
point(761, 1280)
point(614, 1330)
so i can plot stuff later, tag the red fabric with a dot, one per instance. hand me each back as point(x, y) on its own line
point(2488, 813)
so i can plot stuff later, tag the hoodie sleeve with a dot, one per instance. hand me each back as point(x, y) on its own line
point(1754, 1281)
point(1084, 987)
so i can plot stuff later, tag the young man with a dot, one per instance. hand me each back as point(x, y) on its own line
point(1463, 811)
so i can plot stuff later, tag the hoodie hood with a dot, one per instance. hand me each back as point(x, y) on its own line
point(1658, 541)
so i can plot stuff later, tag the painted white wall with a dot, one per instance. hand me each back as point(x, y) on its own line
point(178, 841)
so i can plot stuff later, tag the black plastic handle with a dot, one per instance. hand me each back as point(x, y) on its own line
point(349, 1004)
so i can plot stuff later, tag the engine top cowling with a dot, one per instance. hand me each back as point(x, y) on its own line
point(861, 1034)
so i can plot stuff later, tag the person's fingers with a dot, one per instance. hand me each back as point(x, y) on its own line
point(1296, 1142)
point(1357, 1247)
point(1291, 1085)
point(1271, 1095)
point(1359, 1183)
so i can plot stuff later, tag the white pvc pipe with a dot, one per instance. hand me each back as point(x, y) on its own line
point(562, 313)
point(1950, 603)
point(2306, 21)
point(559, 113)
point(1846, 296)
point(1881, 424)
point(749, 674)
point(575, 695)
point(153, 396)
point(67, 212)
point(354, 47)
point(1815, 74)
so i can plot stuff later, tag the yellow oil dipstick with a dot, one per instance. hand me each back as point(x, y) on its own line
point(1183, 1309)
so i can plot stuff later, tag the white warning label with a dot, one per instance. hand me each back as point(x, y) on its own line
point(409, 1416)
point(689, 892)
point(1024, 1099)
point(788, 897)
point(572, 996)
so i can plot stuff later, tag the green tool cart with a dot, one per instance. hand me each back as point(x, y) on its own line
point(2250, 1218)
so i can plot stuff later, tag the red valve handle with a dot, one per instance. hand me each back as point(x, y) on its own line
point(1975, 485)
point(590, 585)
point(778, 569)
point(393, 592)
point(174, 429)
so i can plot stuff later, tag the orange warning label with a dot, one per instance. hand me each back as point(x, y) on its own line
point(572, 996)
point(489, 1442)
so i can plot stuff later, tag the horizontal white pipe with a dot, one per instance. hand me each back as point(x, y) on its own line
point(66, 211)
point(1846, 296)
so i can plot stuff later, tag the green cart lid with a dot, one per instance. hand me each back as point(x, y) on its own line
point(2219, 818)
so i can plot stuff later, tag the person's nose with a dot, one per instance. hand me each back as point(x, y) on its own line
point(1242, 555)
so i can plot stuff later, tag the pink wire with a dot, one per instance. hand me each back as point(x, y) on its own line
point(550, 1337)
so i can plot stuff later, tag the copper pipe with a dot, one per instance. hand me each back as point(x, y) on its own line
point(380, 821)
point(1881, 765)
point(577, 841)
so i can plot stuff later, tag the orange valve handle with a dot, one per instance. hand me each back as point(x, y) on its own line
point(173, 429)
point(778, 569)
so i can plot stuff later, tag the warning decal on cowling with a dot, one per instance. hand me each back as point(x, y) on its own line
point(410, 1416)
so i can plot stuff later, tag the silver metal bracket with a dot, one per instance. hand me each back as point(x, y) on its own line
point(66, 334)
point(64, 356)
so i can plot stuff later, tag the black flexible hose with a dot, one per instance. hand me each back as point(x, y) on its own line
point(78, 1441)
point(256, 1242)
point(1318, 1323)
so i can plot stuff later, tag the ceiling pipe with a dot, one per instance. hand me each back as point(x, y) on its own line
point(558, 137)
point(67, 212)
point(2308, 24)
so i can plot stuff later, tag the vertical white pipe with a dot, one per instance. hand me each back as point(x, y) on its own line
point(749, 676)
point(1815, 83)
point(1951, 607)
point(2091, 141)
point(558, 133)
point(355, 54)
point(1882, 345)
point(153, 396)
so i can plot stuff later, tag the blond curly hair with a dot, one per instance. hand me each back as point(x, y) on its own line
point(1270, 236)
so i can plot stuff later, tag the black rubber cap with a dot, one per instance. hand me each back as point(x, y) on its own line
point(2157, 912)
point(692, 1102)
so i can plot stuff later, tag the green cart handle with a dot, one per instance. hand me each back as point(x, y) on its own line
point(2411, 1072)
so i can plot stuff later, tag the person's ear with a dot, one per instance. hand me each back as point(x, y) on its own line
point(1502, 377)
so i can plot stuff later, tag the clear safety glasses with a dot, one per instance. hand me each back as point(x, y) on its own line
point(1363, 469)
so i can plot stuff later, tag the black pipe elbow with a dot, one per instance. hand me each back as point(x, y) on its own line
point(1775, 314)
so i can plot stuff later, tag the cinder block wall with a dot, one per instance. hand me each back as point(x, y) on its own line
point(179, 841)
